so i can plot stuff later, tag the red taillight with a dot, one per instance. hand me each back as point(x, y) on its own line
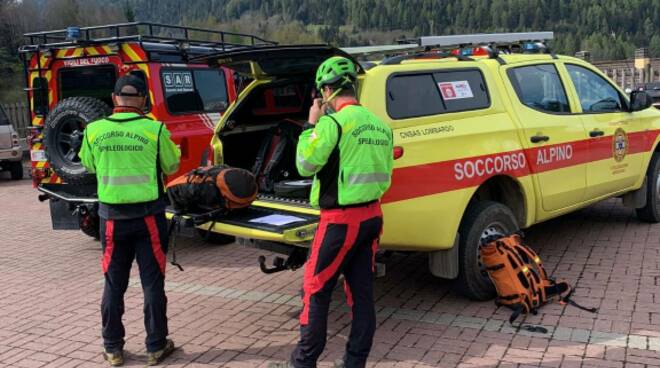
point(38, 175)
point(398, 152)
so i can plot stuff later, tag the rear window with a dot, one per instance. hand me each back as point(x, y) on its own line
point(195, 90)
point(40, 96)
point(96, 81)
point(423, 94)
point(3, 117)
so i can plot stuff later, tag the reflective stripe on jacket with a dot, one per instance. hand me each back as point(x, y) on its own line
point(122, 150)
point(350, 155)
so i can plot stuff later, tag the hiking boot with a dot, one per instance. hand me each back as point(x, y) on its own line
point(280, 365)
point(115, 359)
point(158, 356)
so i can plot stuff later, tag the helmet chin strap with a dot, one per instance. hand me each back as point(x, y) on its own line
point(332, 96)
point(347, 79)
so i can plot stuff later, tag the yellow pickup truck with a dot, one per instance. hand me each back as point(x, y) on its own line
point(489, 138)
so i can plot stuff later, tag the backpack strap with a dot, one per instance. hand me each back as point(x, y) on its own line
point(518, 310)
point(567, 300)
point(175, 223)
point(339, 130)
point(159, 170)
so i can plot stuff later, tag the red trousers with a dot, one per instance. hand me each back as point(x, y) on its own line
point(345, 243)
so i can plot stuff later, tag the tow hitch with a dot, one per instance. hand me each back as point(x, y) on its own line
point(295, 260)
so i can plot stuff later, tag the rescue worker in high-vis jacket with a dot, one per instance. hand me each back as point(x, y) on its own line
point(348, 150)
point(130, 153)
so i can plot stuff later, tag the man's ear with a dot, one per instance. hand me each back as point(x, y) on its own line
point(114, 99)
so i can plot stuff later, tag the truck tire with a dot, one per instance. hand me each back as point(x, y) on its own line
point(481, 219)
point(90, 225)
point(63, 136)
point(651, 211)
point(16, 170)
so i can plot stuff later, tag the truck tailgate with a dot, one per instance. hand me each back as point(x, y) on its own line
point(265, 221)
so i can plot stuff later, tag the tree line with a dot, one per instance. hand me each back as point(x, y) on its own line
point(609, 29)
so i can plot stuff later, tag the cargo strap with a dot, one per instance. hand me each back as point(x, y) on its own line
point(287, 138)
point(175, 223)
point(263, 150)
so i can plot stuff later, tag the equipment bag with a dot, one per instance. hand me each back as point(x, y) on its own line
point(213, 188)
point(276, 153)
point(297, 189)
point(520, 279)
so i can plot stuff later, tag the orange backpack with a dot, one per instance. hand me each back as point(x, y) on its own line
point(520, 279)
point(217, 188)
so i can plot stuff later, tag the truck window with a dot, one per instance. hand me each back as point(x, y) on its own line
point(423, 94)
point(95, 81)
point(40, 95)
point(194, 90)
point(539, 87)
point(595, 93)
point(4, 120)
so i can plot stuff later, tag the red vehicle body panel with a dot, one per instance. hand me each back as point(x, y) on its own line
point(191, 131)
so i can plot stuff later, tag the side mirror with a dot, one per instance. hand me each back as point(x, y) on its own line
point(639, 100)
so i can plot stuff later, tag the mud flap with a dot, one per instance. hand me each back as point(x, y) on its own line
point(62, 217)
point(444, 263)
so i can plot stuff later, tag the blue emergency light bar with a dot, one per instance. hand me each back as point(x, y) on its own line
point(72, 33)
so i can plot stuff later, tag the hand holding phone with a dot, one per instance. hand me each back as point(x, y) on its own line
point(316, 110)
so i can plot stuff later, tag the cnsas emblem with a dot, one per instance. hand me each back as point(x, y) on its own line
point(619, 145)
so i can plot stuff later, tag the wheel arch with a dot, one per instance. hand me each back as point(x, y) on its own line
point(506, 190)
point(655, 149)
point(502, 189)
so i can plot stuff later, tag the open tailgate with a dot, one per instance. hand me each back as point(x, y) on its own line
point(263, 220)
point(275, 61)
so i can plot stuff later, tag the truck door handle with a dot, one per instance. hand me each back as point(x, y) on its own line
point(596, 133)
point(539, 138)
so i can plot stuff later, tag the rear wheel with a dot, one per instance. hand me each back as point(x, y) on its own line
point(651, 211)
point(16, 170)
point(90, 225)
point(482, 219)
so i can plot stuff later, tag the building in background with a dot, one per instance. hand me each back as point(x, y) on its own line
point(630, 73)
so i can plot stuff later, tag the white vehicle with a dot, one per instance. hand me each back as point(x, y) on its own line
point(10, 149)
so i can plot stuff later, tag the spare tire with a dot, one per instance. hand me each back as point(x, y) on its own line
point(63, 136)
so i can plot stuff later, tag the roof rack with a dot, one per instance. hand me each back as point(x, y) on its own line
point(484, 39)
point(459, 46)
point(141, 31)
